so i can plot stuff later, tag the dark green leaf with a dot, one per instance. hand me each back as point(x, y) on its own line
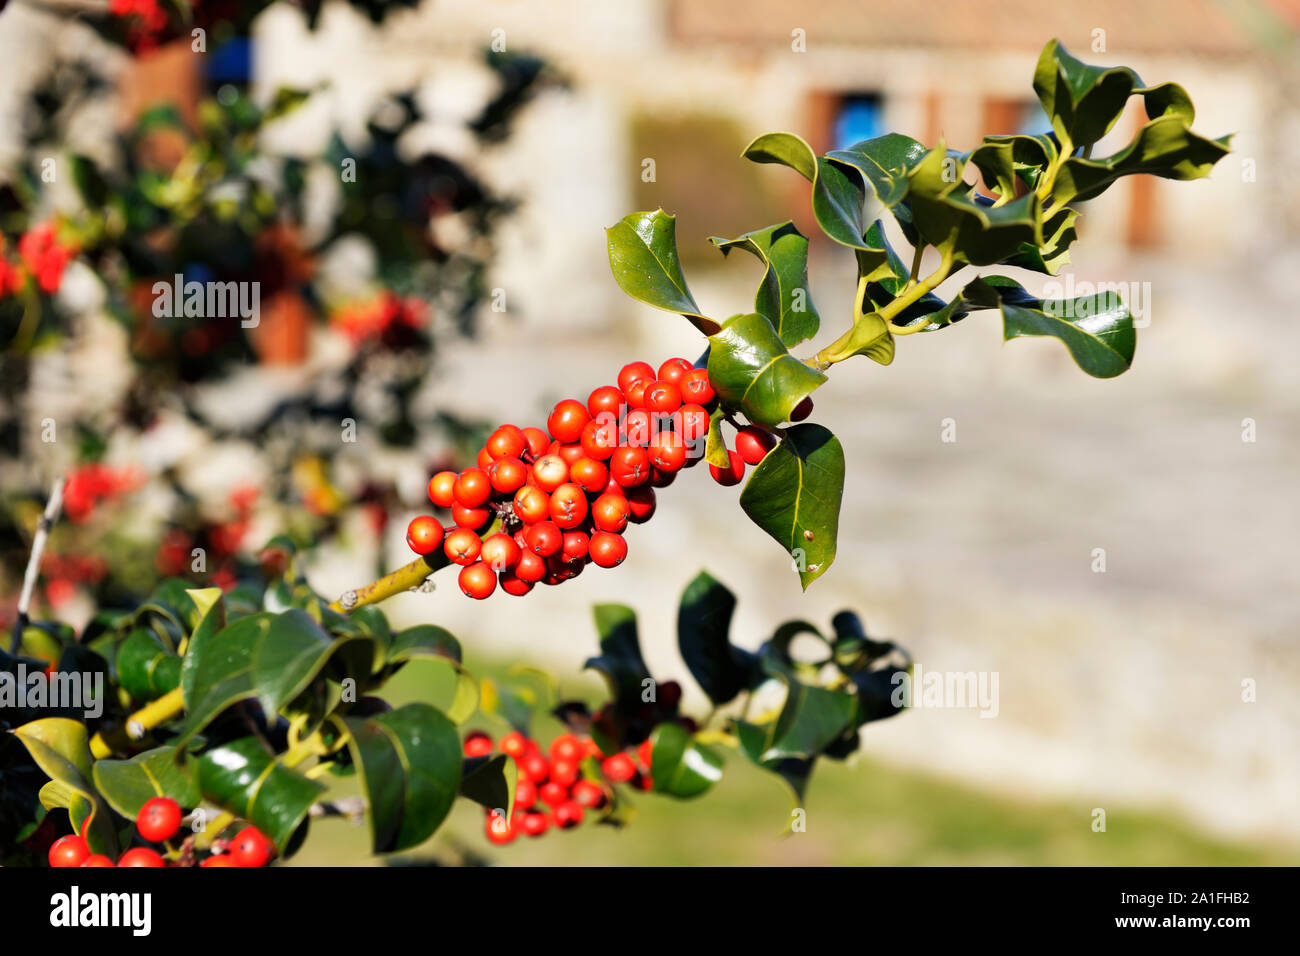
point(643, 257)
point(794, 495)
point(751, 370)
point(243, 778)
point(490, 782)
point(146, 669)
point(620, 660)
point(679, 766)
point(703, 628)
point(783, 296)
point(128, 784)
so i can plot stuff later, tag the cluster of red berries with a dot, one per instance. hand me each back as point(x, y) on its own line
point(551, 789)
point(90, 484)
point(43, 256)
point(386, 319)
point(64, 573)
point(157, 822)
point(146, 22)
point(566, 495)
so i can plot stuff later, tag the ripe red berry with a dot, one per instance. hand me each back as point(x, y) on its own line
point(478, 744)
point(691, 422)
point(531, 504)
point(607, 550)
point(589, 794)
point(731, 475)
point(567, 747)
point(619, 768)
point(667, 451)
point(442, 489)
point(674, 370)
point(638, 427)
point(462, 546)
point(514, 585)
point(68, 851)
point(500, 552)
point(663, 397)
point(802, 410)
point(641, 504)
point(571, 452)
point(630, 466)
point(566, 422)
point(535, 768)
point(423, 535)
point(568, 814)
point(535, 824)
point(531, 567)
point(143, 856)
point(477, 580)
point(507, 475)
point(250, 848)
point(634, 372)
point(644, 752)
point(696, 387)
point(499, 830)
point(575, 547)
point(97, 859)
point(545, 538)
point(670, 695)
point(753, 444)
point(604, 399)
point(553, 793)
point(550, 471)
point(537, 441)
point(636, 394)
point(158, 819)
point(590, 475)
point(483, 459)
point(514, 744)
point(564, 772)
point(662, 479)
point(475, 519)
point(507, 442)
point(600, 438)
point(610, 512)
point(473, 488)
point(221, 860)
point(525, 794)
point(568, 506)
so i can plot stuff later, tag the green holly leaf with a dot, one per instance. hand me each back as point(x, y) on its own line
point(620, 661)
point(60, 746)
point(410, 762)
point(679, 766)
point(794, 495)
point(1097, 329)
point(1058, 235)
point(643, 258)
point(703, 638)
point(128, 784)
point(490, 781)
point(883, 163)
point(783, 296)
point(756, 739)
point(245, 779)
point(715, 446)
point(146, 669)
point(752, 370)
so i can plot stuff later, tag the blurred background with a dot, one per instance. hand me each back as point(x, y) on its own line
point(422, 189)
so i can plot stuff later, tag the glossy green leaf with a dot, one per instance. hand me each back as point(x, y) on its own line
point(751, 370)
point(146, 668)
point(812, 718)
point(1059, 234)
point(883, 163)
point(784, 296)
point(679, 766)
point(243, 778)
point(756, 739)
point(128, 784)
point(60, 746)
point(1097, 329)
point(490, 782)
point(703, 637)
point(620, 661)
point(794, 495)
point(643, 257)
point(424, 641)
point(410, 765)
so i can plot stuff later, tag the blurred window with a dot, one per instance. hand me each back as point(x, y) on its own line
point(858, 116)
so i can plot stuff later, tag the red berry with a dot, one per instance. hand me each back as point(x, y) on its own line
point(641, 504)
point(507, 475)
point(507, 442)
point(696, 388)
point(662, 479)
point(568, 814)
point(423, 535)
point(634, 372)
point(644, 753)
point(535, 768)
point(249, 848)
point(674, 370)
point(514, 744)
point(535, 824)
point(222, 860)
point(610, 512)
point(514, 585)
point(525, 794)
point(575, 547)
point(589, 794)
point(571, 452)
point(483, 459)
point(638, 427)
point(473, 488)
point(667, 451)
point(568, 506)
point(477, 580)
point(607, 550)
point(462, 546)
point(619, 768)
point(478, 744)
point(663, 397)
point(691, 422)
point(731, 475)
point(753, 444)
point(143, 856)
point(567, 421)
point(802, 410)
point(605, 399)
point(545, 538)
point(553, 793)
point(600, 438)
point(567, 747)
point(499, 830)
point(97, 859)
point(636, 394)
point(158, 819)
point(475, 519)
point(564, 772)
point(630, 466)
point(590, 475)
point(550, 471)
point(68, 851)
point(531, 504)
point(500, 552)
point(531, 567)
point(537, 441)
point(442, 489)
